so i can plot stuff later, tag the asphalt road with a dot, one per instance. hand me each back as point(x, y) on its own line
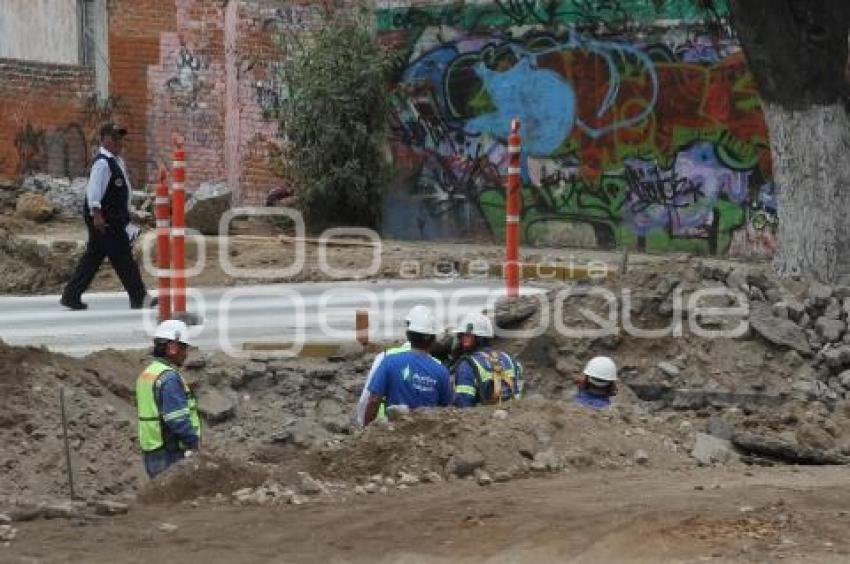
point(289, 313)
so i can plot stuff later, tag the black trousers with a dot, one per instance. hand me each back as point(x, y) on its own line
point(113, 244)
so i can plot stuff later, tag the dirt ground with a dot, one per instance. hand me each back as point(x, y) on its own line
point(255, 246)
point(709, 515)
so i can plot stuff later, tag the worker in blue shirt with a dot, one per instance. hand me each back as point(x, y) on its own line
point(483, 375)
point(598, 383)
point(411, 379)
point(169, 424)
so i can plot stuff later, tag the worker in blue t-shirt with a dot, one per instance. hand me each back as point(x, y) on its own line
point(411, 379)
point(598, 383)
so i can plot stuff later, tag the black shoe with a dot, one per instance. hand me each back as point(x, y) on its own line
point(75, 305)
point(151, 302)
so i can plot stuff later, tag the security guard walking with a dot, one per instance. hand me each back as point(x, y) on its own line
point(106, 211)
point(169, 425)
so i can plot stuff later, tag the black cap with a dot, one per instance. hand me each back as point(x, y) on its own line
point(112, 129)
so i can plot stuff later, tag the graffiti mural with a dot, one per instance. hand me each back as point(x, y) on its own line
point(640, 122)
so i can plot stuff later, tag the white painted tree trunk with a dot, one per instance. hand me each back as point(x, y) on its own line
point(811, 168)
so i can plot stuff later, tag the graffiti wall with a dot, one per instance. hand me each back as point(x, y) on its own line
point(640, 122)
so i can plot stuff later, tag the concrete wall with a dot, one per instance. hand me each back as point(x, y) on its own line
point(40, 30)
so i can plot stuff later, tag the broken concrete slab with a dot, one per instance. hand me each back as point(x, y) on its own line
point(215, 406)
point(778, 449)
point(710, 450)
point(206, 205)
point(781, 332)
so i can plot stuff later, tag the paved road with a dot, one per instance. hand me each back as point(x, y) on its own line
point(313, 312)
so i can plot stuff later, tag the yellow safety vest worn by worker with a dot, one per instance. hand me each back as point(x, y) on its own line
point(150, 419)
point(502, 378)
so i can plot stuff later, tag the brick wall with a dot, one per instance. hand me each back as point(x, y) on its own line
point(45, 118)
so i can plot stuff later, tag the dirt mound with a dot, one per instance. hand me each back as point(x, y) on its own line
point(26, 267)
point(101, 427)
point(203, 476)
point(518, 439)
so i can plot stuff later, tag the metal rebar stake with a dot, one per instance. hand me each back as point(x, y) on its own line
point(67, 446)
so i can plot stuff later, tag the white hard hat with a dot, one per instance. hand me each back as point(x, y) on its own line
point(421, 320)
point(476, 323)
point(601, 368)
point(173, 330)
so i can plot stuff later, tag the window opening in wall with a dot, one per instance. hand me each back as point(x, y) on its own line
point(88, 39)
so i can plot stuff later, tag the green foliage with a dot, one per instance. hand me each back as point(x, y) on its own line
point(334, 119)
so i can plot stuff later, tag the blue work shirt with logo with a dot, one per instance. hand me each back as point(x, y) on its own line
point(414, 379)
point(589, 400)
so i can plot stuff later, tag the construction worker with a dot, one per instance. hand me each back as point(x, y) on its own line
point(410, 379)
point(483, 375)
point(169, 425)
point(360, 411)
point(598, 383)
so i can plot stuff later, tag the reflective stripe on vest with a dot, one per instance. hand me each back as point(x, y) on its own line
point(499, 375)
point(150, 419)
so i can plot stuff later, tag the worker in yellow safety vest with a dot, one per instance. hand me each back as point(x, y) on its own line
point(483, 375)
point(169, 425)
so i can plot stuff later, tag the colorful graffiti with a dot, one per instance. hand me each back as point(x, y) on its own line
point(636, 130)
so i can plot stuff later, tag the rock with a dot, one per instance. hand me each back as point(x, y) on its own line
point(8, 533)
point(431, 477)
point(167, 527)
point(196, 362)
point(253, 370)
point(372, 487)
point(502, 476)
point(389, 482)
point(709, 449)
point(737, 280)
point(841, 292)
point(484, 479)
point(339, 424)
point(5, 519)
point(500, 415)
point(406, 479)
point(510, 312)
point(109, 508)
point(669, 369)
point(720, 429)
point(641, 457)
point(760, 280)
point(779, 332)
point(805, 320)
point(819, 294)
point(756, 294)
point(812, 436)
point(780, 310)
point(62, 510)
point(465, 464)
point(360, 490)
point(34, 207)
point(844, 379)
point(546, 460)
point(837, 357)
point(206, 205)
point(309, 485)
point(298, 500)
point(775, 448)
point(830, 329)
point(795, 308)
point(833, 309)
point(215, 406)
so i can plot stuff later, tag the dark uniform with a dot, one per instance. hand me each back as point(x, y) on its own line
point(113, 243)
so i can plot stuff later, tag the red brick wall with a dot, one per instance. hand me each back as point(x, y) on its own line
point(135, 27)
point(45, 122)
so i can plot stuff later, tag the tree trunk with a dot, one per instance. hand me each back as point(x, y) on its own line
point(797, 51)
point(812, 170)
